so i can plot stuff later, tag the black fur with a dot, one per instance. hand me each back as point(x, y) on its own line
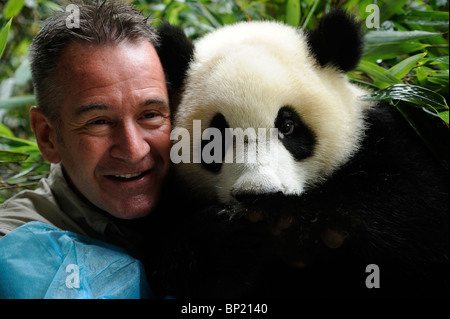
point(219, 122)
point(301, 140)
point(337, 41)
point(390, 203)
point(388, 206)
point(175, 51)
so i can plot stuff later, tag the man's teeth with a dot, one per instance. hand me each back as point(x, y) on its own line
point(128, 175)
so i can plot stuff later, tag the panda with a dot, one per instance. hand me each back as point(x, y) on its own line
point(346, 201)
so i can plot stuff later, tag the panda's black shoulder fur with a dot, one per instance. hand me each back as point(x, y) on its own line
point(392, 199)
point(337, 41)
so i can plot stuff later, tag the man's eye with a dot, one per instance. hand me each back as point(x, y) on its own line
point(150, 115)
point(99, 122)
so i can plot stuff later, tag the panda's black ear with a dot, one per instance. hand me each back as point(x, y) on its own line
point(337, 41)
point(175, 51)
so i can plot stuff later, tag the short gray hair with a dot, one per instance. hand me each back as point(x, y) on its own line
point(101, 22)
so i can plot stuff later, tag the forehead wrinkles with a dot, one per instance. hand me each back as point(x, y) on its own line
point(81, 58)
point(85, 67)
point(87, 72)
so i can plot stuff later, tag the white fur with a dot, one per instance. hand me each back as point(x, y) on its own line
point(247, 72)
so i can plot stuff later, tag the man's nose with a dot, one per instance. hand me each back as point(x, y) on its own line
point(129, 142)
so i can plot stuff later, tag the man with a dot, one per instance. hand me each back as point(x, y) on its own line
point(102, 119)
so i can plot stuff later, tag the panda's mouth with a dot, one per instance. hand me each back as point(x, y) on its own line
point(277, 210)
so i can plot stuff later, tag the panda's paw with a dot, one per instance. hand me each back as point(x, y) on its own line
point(282, 224)
point(333, 238)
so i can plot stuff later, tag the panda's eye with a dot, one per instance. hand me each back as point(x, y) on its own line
point(294, 134)
point(287, 128)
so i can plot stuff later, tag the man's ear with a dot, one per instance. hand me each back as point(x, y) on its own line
point(45, 135)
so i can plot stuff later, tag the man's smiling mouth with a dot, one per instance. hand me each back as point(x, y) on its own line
point(128, 177)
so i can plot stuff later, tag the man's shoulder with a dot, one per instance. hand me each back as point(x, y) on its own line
point(27, 206)
point(54, 203)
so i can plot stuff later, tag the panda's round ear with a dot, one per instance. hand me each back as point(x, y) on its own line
point(337, 41)
point(175, 51)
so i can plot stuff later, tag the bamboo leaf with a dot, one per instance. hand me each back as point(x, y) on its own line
point(13, 8)
point(381, 75)
point(203, 11)
point(21, 174)
point(18, 140)
point(310, 13)
point(421, 75)
point(389, 8)
point(8, 156)
point(444, 116)
point(409, 93)
point(293, 12)
point(4, 130)
point(391, 50)
point(23, 73)
point(404, 67)
point(439, 79)
point(17, 101)
point(381, 37)
point(415, 95)
point(4, 36)
point(31, 150)
point(428, 18)
point(440, 60)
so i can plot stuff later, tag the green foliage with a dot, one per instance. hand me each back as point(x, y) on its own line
point(417, 96)
point(13, 8)
point(21, 164)
point(4, 36)
point(293, 12)
point(405, 62)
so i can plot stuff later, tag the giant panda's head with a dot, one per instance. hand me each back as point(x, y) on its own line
point(244, 80)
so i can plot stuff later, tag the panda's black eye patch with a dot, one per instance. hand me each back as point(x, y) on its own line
point(219, 122)
point(296, 137)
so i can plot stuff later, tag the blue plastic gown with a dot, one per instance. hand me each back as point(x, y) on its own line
point(40, 261)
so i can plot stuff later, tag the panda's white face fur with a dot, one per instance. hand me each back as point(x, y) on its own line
point(260, 75)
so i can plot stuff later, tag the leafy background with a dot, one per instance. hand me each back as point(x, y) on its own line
point(406, 63)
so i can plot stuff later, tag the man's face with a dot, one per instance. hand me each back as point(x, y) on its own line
point(115, 136)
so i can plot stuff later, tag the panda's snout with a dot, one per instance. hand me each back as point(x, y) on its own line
point(249, 182)
point(256, 183)
point(249, 193)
